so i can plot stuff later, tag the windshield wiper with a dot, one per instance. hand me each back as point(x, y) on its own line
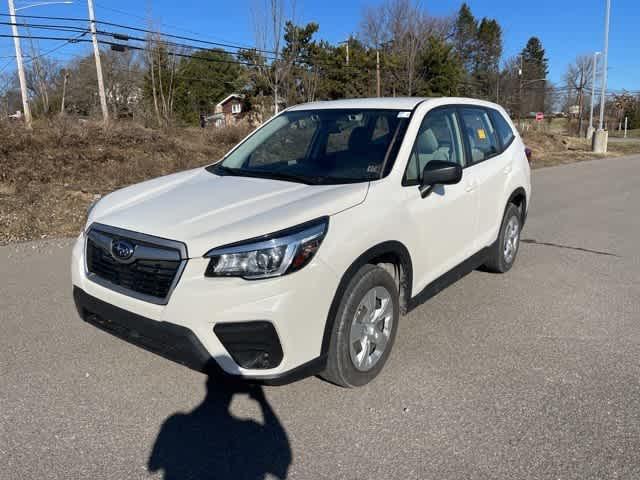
point(241, 172)
point(340, 180)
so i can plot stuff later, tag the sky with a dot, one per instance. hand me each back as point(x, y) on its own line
point(567, 28)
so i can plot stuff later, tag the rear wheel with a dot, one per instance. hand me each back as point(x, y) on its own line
point(505, 250)
point(364, 329)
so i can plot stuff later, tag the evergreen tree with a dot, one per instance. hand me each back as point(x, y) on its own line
point(440, 71)
point(301, 52)
point(535, 68)
point(465, 35)
point(203, 80)
point(487, 61)
point(339, 80)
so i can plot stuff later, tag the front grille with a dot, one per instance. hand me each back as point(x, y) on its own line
point(150, 274)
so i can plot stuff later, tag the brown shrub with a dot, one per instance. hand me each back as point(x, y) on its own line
point(50, 175)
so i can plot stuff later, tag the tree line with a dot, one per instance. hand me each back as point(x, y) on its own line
point(399, 50)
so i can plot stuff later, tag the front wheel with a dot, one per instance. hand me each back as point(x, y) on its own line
point(505, 250)
point(364, 329)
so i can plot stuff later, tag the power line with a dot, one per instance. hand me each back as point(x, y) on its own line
point(119, 36)
point(40, 26)
point(38, 37)
point(189, 39)
point(166, 42)
point(175, 27)
point(55, 49)
point(144, 30)
point(178, 37)
point(72, 28)
point(6, 65)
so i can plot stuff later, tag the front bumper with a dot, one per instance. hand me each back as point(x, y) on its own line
point(187, 328)
point(171, 341)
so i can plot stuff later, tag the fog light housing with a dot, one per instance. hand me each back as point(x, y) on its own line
point(252, 345)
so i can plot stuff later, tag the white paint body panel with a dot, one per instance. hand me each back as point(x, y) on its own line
point(206, 211)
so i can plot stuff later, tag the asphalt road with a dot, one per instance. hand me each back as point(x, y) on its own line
point(533, 374)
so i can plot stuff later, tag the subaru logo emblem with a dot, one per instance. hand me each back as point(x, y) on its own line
point(121, 250)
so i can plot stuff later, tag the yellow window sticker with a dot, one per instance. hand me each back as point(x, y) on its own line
point(481, 134)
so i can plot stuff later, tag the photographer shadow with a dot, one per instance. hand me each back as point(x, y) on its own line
point(210, 443)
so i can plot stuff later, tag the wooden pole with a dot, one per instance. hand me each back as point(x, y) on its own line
point(96, 53)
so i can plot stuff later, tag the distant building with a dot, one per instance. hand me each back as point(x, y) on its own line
point(228, 111)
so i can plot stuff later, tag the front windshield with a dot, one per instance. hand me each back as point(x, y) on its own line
point(320, 146)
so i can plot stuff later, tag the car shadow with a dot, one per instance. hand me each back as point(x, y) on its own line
point(210, 443)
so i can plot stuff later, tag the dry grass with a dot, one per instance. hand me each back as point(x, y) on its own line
point(556, 149)
point(48, 177)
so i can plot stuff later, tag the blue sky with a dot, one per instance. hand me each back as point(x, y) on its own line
point(566, 27)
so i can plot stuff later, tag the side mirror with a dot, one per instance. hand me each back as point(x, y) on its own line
point(438, 172)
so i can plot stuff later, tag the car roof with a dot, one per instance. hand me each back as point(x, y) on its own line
point(388, 103)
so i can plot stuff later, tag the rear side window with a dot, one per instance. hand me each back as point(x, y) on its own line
point(505, 133)
point(483, 140)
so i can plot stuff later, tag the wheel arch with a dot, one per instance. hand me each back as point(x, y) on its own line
point(377, 254)
point(519, 198)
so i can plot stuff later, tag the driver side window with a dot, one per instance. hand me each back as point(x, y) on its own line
point(439, 138)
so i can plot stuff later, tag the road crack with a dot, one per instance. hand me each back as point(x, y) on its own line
point(568, 247)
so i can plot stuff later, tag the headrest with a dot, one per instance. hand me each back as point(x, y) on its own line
point(427, 142)
point(358, 139)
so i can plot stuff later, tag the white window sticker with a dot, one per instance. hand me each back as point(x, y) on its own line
point(404, 114)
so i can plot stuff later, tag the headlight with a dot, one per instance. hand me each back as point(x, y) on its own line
point(270, 256)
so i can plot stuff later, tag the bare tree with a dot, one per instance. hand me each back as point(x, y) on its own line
point(578, 80)
point(508, 84)
point(269, 17)
point(123, 74)
point(401, 28)
point(161, 65)
point(7, 86)
point(123, 77)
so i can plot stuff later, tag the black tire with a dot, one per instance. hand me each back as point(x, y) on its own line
point(497, 261)
point(340, 368)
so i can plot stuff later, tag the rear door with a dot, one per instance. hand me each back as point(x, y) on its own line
point(446, 218)
point(490, 166)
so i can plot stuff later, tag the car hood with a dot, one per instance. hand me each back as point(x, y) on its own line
point(205, 210)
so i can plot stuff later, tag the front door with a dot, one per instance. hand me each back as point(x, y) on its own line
point(447, 218)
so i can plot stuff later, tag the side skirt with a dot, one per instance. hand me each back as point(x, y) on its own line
point(452, 276)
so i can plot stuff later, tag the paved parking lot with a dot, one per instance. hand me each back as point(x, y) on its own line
point(533, 374)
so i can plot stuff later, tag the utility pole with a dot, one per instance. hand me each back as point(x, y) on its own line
point(96, 53)
point(276, 110)
point(377, 72)
point(21, 75)
point(600, 139)
point(626, 125)
point(580, 101)
point(591, 129)
point(346, 44)
point(520, 73)
point(64, 91)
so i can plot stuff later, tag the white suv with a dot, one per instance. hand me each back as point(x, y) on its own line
point(298, 252)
